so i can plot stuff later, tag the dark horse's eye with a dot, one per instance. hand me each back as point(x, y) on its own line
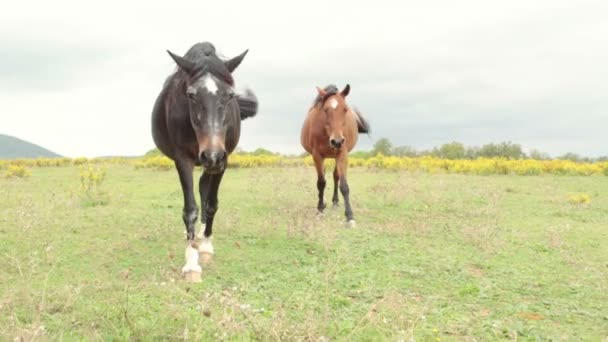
point(191, 92)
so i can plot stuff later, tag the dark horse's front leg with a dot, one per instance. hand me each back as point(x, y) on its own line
point(192, 270)
point(190, 211)
point(209, 186)
point(320, 181)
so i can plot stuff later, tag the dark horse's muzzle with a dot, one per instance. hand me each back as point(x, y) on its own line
point(213, 161)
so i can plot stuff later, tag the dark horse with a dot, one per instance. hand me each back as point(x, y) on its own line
point(196, 121)
point(330, 130)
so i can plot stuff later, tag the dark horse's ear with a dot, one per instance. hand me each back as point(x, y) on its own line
point(182, 63)
point(345, 91)
point(233, 63)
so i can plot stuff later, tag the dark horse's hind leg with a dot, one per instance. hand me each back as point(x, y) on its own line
point(320, 181)
point(190, 211)
point(209, 186)
point(335, 199)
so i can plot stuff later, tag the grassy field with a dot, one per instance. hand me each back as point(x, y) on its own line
point(433, 257)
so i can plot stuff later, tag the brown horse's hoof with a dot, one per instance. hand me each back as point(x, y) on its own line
point(192, 276)
point(320, 214)
point(351, 224)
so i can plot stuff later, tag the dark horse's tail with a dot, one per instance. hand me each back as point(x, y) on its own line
point(248, 104)
point(362, 124)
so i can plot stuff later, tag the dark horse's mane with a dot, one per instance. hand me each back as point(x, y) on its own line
point(205, 59)
point(330, 90)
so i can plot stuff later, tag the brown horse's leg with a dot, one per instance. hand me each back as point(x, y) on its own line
point(320, 181)
point(335, 198)
point(208, 187)
point(342, 163)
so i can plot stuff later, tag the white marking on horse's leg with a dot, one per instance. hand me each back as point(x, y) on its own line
point(201, 233)
point(205, 247)
point(210, 84)
point(352, 224)
point(333, 103)
point(192, 270)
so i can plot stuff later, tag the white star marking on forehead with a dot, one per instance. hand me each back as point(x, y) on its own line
point(210, 84)
point(333, 103)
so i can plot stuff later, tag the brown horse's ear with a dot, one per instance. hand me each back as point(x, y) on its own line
point(345, 91)
point(233, 63)
point(321, 92)
point(182, 63)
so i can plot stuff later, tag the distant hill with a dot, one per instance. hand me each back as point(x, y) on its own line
point(13, 148)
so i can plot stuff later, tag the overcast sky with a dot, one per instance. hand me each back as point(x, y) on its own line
point(81, 79)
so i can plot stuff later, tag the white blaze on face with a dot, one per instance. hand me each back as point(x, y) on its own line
point(333, 103)
point(210, 84)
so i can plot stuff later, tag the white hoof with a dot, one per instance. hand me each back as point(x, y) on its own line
point(206, 258)
point(351, 224)
point(192, 270)
point(192, 277)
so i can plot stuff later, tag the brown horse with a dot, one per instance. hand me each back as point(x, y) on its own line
point(196, 120)
point(331, 130)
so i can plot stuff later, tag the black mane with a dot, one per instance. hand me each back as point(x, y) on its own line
point(330, 90)
point(207, 60)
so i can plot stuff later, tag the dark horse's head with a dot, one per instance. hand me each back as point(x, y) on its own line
point(207, 83)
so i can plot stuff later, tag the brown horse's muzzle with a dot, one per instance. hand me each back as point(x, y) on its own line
point(214, 161)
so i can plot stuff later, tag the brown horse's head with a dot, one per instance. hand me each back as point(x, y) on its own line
point(333, 104)
point(208, 87)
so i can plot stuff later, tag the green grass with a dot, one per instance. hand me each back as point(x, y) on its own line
point(433, 256)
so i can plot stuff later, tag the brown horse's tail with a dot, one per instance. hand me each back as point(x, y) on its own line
point(362, 124)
